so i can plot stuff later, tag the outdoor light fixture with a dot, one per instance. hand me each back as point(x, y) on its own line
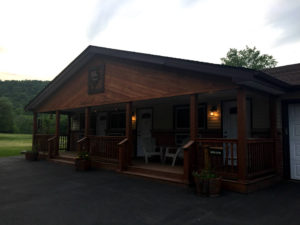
point(133, 120)
point(213, 111)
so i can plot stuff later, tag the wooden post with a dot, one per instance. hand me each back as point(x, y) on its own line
point(69, 133)
point(57, 132)
point(34, 130)
point(87, 121)
point(129, 131)
point(193, 117)
point(273, 131)
point(242, 153)
point(190, 153)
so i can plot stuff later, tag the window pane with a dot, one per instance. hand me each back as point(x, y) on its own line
point(183, 117)
point(201, 117)
point(117, 120)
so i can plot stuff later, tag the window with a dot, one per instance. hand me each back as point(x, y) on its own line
point(182, 117)
point(117, 120)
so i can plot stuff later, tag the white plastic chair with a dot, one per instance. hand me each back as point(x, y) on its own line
point(173, 153)
point(150, 148)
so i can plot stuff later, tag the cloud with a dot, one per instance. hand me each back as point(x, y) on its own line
point(285, 15)
point(104, 12)
point(2, 49)
point(189, 2)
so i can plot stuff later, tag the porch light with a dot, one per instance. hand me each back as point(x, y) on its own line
point(213, 111)
point(133, 120)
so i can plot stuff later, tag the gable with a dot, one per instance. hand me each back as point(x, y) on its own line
point(126, 81)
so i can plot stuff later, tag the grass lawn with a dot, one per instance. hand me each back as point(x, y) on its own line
point(13, 144)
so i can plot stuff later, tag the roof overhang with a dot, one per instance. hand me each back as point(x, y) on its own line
point(241, 76)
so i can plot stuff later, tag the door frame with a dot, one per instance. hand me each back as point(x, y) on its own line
point(286, 136)
point(251, 113)
point(137, 121)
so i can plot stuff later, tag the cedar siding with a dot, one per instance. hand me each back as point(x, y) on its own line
point(130, 82)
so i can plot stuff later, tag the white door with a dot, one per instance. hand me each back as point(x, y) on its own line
point(101, 124)
point(230, 126)
point(144, 127)
point(230, 119)
point(294, 133)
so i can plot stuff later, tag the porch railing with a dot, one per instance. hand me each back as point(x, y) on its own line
point(41, 142)
point(105, 147)
point(222, 156)
point(63, 142)
point(261, 157)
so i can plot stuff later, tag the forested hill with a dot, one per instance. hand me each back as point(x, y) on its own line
point(14, 95)
point(19, 93)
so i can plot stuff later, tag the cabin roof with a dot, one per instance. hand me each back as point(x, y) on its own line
point(242, 76)
point(289, 73)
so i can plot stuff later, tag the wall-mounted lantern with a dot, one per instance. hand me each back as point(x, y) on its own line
point(133, 120)
point(213, 111)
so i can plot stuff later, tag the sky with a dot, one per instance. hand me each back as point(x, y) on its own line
point(38, 39)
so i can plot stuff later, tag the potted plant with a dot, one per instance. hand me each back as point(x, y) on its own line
point(207, 183)
point(82, 161)
point(32, 155)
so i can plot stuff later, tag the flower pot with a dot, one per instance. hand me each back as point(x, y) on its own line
point(215, 186)
point(31, 156)
point(202, 185)
point(82, 164)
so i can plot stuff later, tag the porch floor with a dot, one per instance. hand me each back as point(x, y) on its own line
point(156, 166)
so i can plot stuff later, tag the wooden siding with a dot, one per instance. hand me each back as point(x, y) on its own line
point(129, 82)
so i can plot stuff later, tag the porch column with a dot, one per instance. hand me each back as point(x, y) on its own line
point(242, 134)
point(273, 131)
point(57, 132)
point(190, 153)
point(87, 121)
point(193, 117)
point(129, 130)
point(34, 129)
point(69, 133)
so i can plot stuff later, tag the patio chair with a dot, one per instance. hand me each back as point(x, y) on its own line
point(150, 149)
point(173, 152)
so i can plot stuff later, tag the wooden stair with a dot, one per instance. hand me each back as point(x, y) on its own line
point(155, 173)
point(64, 159)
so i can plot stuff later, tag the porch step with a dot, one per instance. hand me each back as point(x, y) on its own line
point(62, 161)
point(155, 173)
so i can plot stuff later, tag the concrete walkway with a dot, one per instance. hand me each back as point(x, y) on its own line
point(45, 193)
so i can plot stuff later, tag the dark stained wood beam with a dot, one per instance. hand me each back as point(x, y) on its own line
point(193, 117)
point(34, 129)
point(57, 132)
point(273, 116)
point(87, 121)
point(129, 131)
point(273, 134)
point(69, 132)
point(242, 134)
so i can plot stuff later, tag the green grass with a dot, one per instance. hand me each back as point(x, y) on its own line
point(13, 144)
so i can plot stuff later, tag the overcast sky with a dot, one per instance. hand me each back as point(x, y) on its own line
point(38, 39)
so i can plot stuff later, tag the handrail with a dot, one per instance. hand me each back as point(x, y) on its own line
point(52, 138)
point(123, 141)
point(82, 139)
point(188, 145)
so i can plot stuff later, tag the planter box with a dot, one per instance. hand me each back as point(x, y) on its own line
point(208, 187)
point(31, 156)
point(82, 164)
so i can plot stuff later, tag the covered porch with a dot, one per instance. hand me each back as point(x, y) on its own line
point(222, 128)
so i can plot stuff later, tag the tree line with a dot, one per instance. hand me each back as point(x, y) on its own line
point(14, 95)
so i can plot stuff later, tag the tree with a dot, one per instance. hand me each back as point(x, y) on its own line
point(248, 58)
point(6, 116)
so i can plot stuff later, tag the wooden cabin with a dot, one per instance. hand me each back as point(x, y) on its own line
point(122, 105)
